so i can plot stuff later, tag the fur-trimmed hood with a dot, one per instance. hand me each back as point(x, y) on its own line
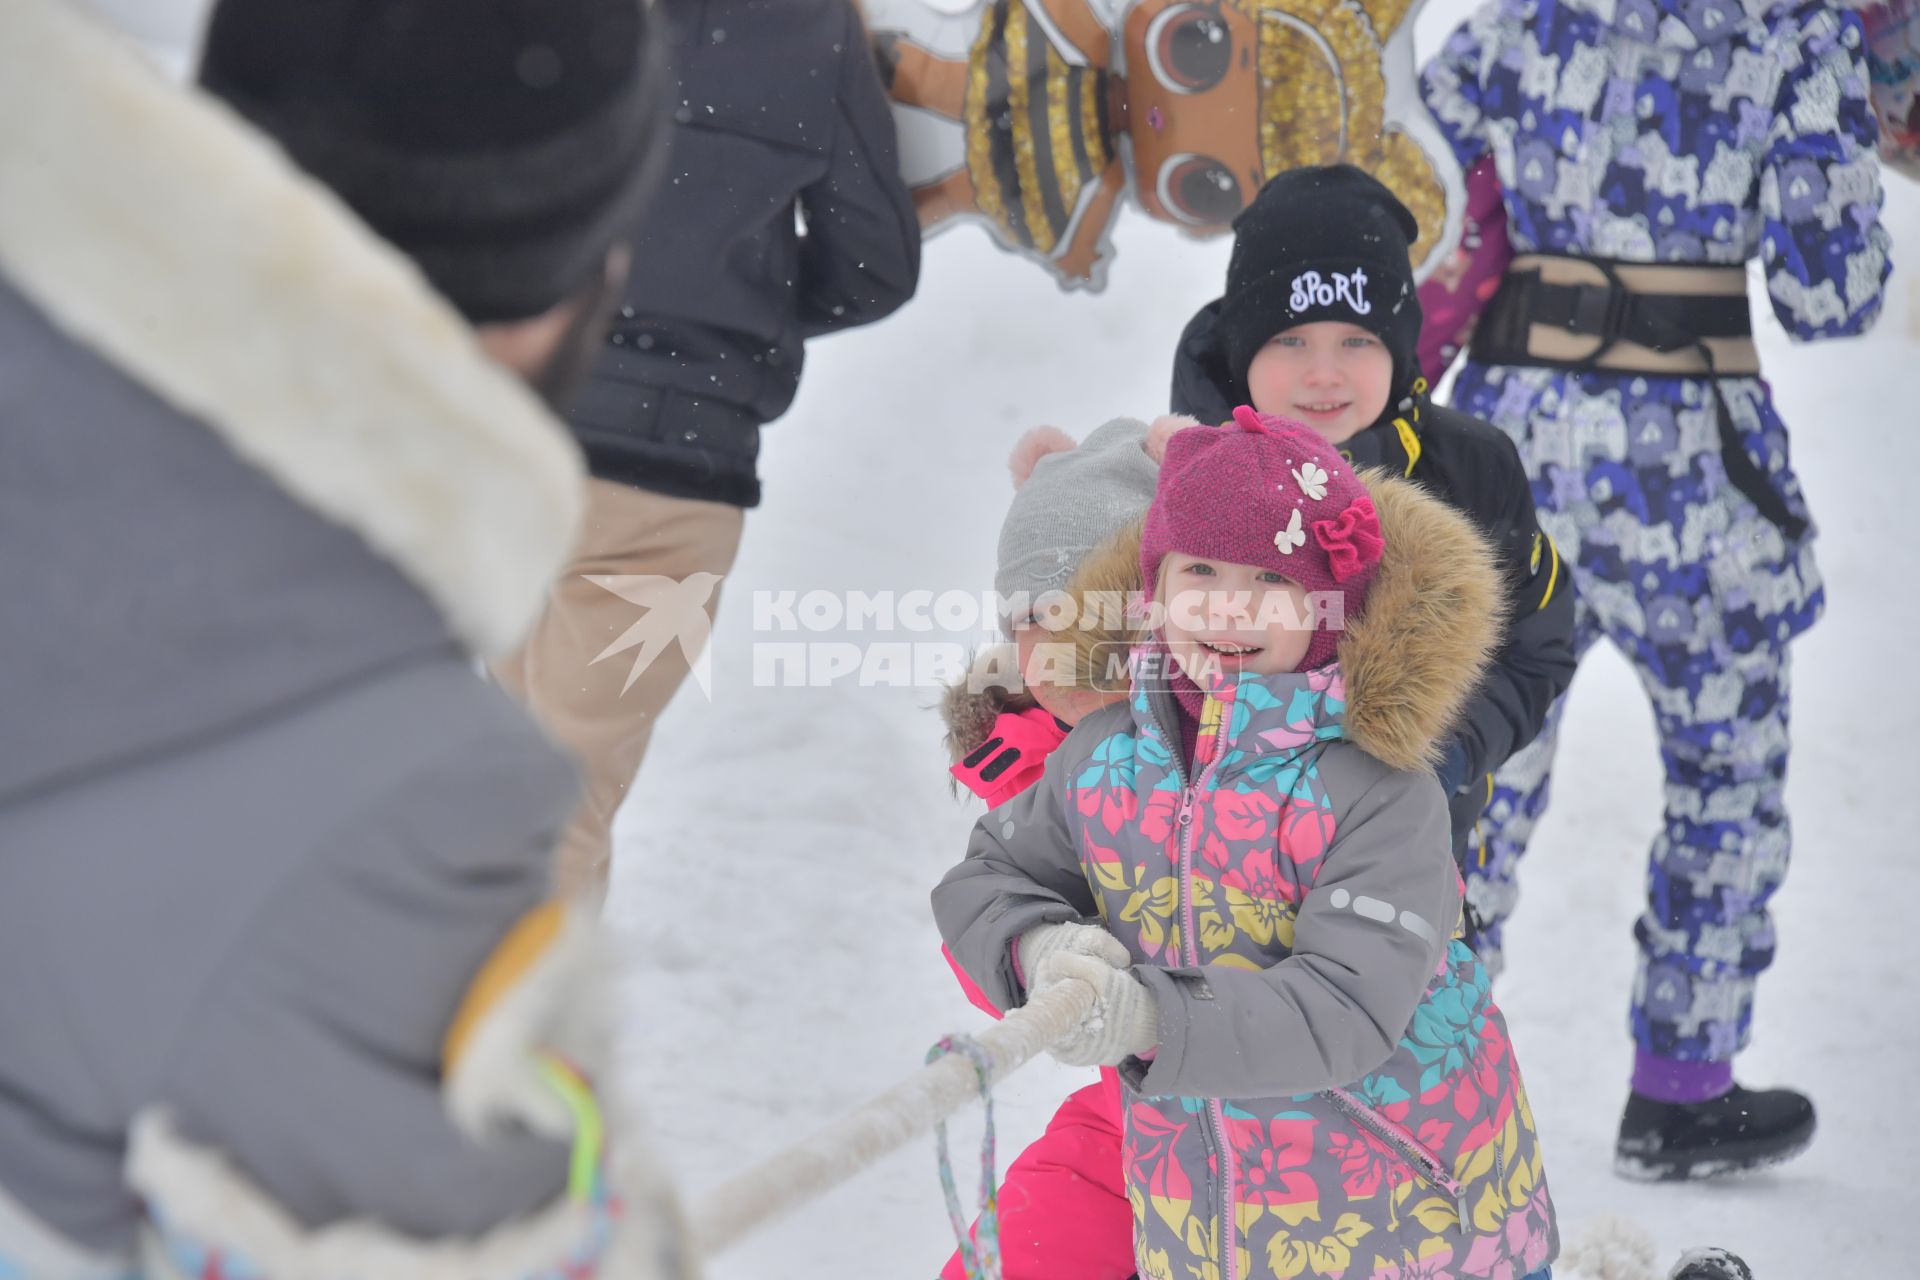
point(253, 452)
point(1434, 617)
point(972, 703)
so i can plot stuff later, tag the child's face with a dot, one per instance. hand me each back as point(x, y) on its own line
point(1331, 375)
point(1047, 667)
point(1232, 618)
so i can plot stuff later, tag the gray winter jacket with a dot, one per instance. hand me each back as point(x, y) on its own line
point(261, 503)
point(1333, 1088)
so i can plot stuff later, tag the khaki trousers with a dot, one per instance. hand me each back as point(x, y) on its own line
point(595, 703)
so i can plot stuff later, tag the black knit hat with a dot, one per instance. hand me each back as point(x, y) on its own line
point(1322, 243)
point(504, 145)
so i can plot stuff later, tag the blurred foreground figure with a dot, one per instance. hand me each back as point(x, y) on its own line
point(278, 996)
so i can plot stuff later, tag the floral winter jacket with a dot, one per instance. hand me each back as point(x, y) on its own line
point(1334, 1090)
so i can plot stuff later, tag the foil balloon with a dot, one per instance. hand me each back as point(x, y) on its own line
point(1042, 118)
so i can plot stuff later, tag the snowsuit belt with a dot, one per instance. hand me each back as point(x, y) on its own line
point(1674, 320)
point(1677, 320)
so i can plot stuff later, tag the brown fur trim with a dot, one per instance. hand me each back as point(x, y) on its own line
point(972, 703)
point(1100, 588)
point(1434, 615)
point(1106, 580)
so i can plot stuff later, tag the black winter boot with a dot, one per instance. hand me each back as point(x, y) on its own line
point(1741, 1130)
point(1711, 1264)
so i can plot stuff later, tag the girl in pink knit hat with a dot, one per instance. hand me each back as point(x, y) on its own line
point(1247, 860)
point(1260, 543)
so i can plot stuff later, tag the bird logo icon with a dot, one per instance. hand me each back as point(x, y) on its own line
point(676, 612)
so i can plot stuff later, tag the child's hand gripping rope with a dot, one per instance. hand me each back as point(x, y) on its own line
point(1122, 1022)
point(1042, 942)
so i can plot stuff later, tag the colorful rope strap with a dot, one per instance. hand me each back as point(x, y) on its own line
point(978, 1260)
point(583, 1174)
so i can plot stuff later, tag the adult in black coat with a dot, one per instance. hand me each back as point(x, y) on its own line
point(783, 217)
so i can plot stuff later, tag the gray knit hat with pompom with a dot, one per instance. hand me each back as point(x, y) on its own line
point(1069, 499)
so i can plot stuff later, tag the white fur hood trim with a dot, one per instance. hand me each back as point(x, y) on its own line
point(153, 225)
point(560, 1001)
point(215, 1205)
point(28, 1247)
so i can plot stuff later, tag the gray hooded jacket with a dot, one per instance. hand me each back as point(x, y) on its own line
point(261, 502)
point(1333, 1088)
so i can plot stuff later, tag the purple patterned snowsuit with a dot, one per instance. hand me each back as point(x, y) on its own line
point(1697, 132)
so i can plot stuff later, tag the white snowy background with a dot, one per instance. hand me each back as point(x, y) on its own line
point(770, 890)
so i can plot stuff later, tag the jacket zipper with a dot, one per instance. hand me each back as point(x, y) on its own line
point(1424, 1162)
point(1216, 1113)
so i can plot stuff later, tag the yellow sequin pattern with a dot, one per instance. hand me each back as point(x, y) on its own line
point(1002, 99)
point(1323, 99)
point(1019, 107)
point(986, 189)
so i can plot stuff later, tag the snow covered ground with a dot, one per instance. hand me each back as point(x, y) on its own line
point(771, 888)
point(774, 862)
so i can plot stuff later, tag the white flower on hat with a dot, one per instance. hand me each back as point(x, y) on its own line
point(1291, 536)
point(1312, 480)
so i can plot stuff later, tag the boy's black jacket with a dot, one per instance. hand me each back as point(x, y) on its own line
point(1474, 467)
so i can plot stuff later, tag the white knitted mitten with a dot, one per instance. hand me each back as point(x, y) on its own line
point(1124, 1020)
point(1044, 940)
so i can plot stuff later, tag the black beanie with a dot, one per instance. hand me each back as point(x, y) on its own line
point(504, 145)
point(1322, 243)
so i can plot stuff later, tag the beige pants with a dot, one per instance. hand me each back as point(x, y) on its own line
point(583, 699)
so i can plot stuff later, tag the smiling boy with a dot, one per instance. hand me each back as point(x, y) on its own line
point(1320, 323)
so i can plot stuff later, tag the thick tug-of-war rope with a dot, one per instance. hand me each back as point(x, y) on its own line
point(981, 1262)
point(962, 1068)
point(836, 1153)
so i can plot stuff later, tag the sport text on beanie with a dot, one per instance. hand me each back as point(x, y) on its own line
point(1322, 243)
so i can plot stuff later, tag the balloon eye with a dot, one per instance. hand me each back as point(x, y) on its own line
point(1199, 190)
point(1189, 48)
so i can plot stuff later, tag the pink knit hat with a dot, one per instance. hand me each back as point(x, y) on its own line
point(1264, 491)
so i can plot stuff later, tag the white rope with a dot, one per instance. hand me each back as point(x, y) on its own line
point(1605, 1248)
point(834, 1154)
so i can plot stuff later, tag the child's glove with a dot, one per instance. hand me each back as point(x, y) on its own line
point(1124, 1021)
point(1012, 757)
point(1041, 941)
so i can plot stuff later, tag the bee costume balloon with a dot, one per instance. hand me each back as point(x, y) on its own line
point(1035, 117)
